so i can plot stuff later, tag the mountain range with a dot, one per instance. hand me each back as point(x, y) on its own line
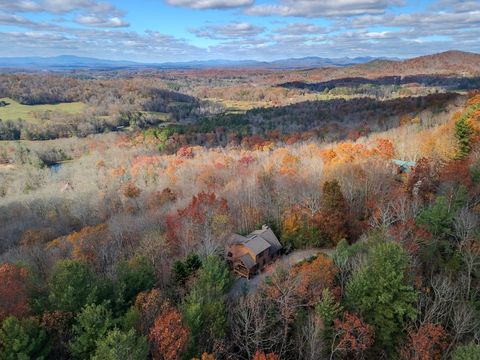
point(70, 62)
point(448, 62)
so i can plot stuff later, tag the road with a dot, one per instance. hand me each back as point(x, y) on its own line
point(242, 286)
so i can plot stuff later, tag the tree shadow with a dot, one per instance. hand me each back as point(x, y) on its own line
point(447, 82)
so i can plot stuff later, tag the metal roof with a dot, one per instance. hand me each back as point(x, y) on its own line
point(247, 260)
point(257, 244)
point(267, 234)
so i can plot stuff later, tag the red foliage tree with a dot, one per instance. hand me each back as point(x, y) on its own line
point(260, 355)
point(204, 221)
point(423, 180)
point(168, 335)
point(427, 343)
point(185, 152)
point(13, 291)
point(354, 336)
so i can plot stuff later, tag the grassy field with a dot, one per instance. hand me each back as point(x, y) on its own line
point(15, 110)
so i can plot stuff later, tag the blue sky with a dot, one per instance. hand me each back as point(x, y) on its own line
point(181, 30)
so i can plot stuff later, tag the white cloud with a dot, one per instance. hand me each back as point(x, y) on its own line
point(211, 4)
point(91, 20)
point(57, 6)
point(301, 29)
point(228, 31)
point(323, 8)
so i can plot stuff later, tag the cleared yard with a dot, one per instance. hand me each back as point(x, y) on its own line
point(14, 110)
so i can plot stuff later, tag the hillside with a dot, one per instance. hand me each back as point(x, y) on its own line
point(449, 62)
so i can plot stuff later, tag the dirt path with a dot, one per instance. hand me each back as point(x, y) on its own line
point(242, 286)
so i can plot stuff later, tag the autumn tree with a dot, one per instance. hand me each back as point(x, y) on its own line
point(92, 244)
point(168, 335)
point(131, 191)
point(13, 291)
point(332, 220)
point(298, 230)
point(201, 226)
point(380, 292)
point(281, 290)
point(315, 277)
point(58, 326)
point(428, 342)
point(260, 355)
point(352, 336)
point(423, 180)
point(148, 305)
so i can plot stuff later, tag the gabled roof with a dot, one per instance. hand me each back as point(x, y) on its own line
point(247, 261)
point(267, 234)
point(257, 244)
point(257, 241)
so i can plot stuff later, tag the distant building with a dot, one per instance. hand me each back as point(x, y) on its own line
point(249, 254)
point(404, 167)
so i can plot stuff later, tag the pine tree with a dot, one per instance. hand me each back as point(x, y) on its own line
point(463, 133)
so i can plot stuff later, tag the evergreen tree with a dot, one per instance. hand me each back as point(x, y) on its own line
point(118, 345)
point(463, 133)
point(23, 339)
point(381, 294)
point(92, 323)
point(204, 308)
point(133, 277)
point(72, 285)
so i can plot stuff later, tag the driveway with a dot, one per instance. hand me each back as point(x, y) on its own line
point(242, 286)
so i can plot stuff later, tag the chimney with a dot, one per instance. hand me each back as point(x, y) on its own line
point(265, 227)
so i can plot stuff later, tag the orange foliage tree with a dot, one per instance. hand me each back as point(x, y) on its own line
point(88, 242)
point(168, 335)
point(314, 277)
point(148, 304)
point(13, 291)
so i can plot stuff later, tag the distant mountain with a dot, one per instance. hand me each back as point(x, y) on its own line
point(69, 62)
point(448, 62)
point(59, 62)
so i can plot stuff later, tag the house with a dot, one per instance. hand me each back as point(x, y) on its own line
point(249, 254)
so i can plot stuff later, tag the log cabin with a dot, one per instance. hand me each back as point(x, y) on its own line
point(247, 255)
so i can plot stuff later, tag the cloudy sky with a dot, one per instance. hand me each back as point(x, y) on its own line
point(181, 30)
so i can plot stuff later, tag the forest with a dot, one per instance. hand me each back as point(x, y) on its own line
point(114, 220)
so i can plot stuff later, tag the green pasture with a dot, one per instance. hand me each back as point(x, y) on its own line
point(14, 110)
